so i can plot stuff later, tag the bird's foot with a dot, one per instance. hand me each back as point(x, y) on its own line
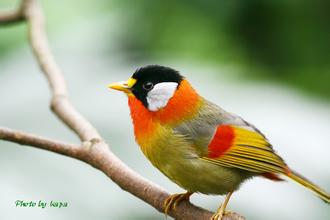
point(219, 214)
point(222, 209)
point(172, 201)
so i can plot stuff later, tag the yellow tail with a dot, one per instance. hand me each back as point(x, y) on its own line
point(308, 184)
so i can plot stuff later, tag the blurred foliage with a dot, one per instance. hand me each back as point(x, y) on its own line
point(10, 36)
point(61, 14)
point(278, 40)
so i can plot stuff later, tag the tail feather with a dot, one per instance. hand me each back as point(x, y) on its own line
point(308, 184)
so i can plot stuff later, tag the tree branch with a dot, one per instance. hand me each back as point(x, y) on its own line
point(60, 103)
point(12, 17)
point(39, 142)
point(93, 150)
point(7, 18)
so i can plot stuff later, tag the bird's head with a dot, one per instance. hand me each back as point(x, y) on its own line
point(158, 95)
point(153, 85)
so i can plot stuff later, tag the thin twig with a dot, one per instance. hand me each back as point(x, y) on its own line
point(39, 142)
point(94, 150)
point(11, 17)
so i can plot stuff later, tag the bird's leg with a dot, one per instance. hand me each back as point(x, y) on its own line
point(222, 209)
point(173, 200)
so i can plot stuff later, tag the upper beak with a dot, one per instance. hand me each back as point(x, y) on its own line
point(120, 86)
point(123, 86)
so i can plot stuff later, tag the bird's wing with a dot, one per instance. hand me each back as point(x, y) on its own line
point(243, 148)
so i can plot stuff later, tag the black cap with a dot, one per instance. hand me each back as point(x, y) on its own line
point(148, 76)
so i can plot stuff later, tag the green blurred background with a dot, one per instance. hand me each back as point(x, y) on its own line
point(281, 40)
point(277, 40)
point(268, 61)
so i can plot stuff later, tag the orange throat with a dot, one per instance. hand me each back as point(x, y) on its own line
point(182, 106)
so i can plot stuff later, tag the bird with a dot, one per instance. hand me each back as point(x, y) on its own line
point(197, 144)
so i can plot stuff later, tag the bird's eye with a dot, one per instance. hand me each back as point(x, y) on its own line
point(148, 86)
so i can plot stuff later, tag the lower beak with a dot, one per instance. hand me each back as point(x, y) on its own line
point(120, 86)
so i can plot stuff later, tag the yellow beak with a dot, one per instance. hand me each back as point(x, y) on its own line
point(123, 86)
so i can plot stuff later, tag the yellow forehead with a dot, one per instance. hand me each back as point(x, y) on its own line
point(131, 82)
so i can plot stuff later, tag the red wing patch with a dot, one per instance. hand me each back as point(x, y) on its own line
point(272, 176)
point(221, 142)
point(245, 149)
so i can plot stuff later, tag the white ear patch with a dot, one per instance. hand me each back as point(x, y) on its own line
point(159, 96)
